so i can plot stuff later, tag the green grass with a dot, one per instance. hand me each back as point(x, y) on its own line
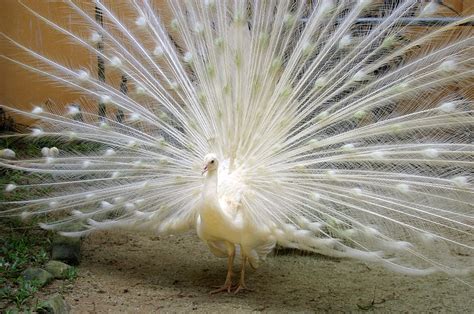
point(71, 274)
point(24, 245)
point(20, 248)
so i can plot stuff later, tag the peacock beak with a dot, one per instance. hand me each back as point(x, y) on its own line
point(204, 170)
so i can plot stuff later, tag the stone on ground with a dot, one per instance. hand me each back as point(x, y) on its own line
point(58, 269)
point(54, 305)
point(67, 250)
point(38, 275)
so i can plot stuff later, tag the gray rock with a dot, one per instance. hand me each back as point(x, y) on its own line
point(67, 250)
point(40, 276)
point(54, 305)
point(58, 269)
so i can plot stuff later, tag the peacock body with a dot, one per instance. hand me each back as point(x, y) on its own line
point(313, 131)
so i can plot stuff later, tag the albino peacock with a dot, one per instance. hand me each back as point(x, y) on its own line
point(313, 131)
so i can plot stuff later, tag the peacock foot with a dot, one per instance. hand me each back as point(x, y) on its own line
point(241, 287)
point(226, 287)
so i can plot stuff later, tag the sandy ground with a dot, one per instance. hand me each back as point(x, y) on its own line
point(130, 273)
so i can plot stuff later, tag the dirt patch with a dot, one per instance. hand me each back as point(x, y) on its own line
point(123, 272)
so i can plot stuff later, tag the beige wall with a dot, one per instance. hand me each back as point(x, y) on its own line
point(22, 89)
point(19, 87)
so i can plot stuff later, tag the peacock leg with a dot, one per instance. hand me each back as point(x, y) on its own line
point(228, 280)
point(241, 285)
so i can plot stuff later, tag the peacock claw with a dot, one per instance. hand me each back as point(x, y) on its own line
point(241, 287)
point(225, 287)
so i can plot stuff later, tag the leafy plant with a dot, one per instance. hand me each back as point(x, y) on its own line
point(26, 288)
point(20, 248)
point(22, 244)
point(71, 274)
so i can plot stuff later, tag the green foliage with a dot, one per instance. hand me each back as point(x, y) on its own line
point(24, 245)
point(26, 288)
point(71, 273)
point(19, 249)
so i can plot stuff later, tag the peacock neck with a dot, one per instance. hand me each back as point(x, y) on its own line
point(210, 213)
point(210, 184)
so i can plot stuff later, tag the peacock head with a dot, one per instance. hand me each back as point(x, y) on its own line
point(210, 163)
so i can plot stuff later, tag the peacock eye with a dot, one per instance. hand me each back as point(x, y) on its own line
point(212, 161)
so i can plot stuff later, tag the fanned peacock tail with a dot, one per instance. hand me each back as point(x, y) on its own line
point(343, 138)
